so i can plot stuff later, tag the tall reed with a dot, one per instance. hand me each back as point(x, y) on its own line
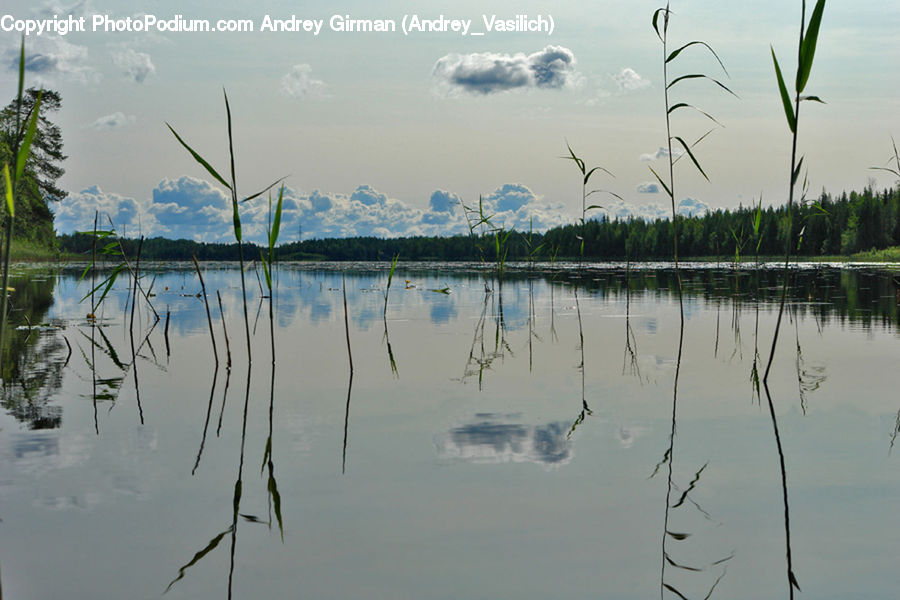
point(668, 185)
point(235, 202)
point(585, 194)
point(21, 148)
point(806, 49)
point(670, 108)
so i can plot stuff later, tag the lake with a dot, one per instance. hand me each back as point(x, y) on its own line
point(524, 442)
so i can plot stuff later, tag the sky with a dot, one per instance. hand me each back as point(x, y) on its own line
point(388, 133)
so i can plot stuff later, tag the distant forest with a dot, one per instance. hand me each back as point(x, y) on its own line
point(830, 226)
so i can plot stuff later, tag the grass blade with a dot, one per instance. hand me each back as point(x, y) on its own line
point(264, 190)
point(24, 149)
point(702, 76)
point(675, 107)
point(808, 46)
point(661, 182)
point(591, 172)
point(656, 21)
point(785, 98)
point(675, 53)
point(199, 158)
point(796, 173)
point(276, 223)
point(9, 192)
point(691, 155)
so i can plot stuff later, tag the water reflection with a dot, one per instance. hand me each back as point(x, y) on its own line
point(34, 354)
point(523, 413)
point(500, 438)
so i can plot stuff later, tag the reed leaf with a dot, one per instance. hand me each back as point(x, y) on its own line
point(678, 51)
point(785, 98)
point(674, 591)
point(199, 158)
point(10, 206)
point(24, 149)
point(701, 76)
point(264, 190)
point(661, 182)
point(796, 172)
point(198, 557)
point(675, 107)
point(691, 155)
point(591, 172)
point(656, 21)
point(808, 46)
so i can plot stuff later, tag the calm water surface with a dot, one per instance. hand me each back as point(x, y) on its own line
point(480, 449)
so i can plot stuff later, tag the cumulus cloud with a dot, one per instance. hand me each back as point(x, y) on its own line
point(629, 80)
point(647, 187)
point(500, 438)
point(117, 120)
point(191, 208)
point(135, 65)
point(652, 211)
point(489, 72)
point(49, 56)
point(299, 83)
point(660, 153)
point(76, 211)
point(689, 207)
point(195, 209)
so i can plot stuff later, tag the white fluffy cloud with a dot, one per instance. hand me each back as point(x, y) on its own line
point(489, 72)
point(629, 80)
point(117, 120)
point(299, 83)
point(195, 209)
point(135, 65)
point(647, 187)
point(654, 210)
point(690, 207)
point(76, 212)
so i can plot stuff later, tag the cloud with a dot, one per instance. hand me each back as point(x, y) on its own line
point(49, 56)
point(490, 72)
point(116, 120)
point(299, 83)
point(136, 65)
point(619, 209)
point(444, 202)
point(647, 187)
point(653, 210)
point(660, 153)
point(196, 209)
point(366, 194)
point(192, 209)
point(499, 438)
point(76, 211)
point(689, 207)
point(628, 80)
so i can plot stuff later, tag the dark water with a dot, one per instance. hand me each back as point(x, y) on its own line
point(529, 442)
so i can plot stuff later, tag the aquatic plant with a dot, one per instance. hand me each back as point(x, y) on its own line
point(806, 49)
point(483, 223)
point(235, 202)
point(670, 189)
point(22, 137)
point(668, 184)
point(896, 160)
point(585, 194)
point(268, 260)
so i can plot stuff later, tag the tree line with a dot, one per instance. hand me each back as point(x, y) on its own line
point(843, 225)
